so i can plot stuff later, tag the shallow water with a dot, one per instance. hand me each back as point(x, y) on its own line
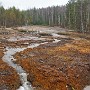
point(8, 58)
point(57, 35)
point(20, 38)
point(87, 88)
point(56, 41)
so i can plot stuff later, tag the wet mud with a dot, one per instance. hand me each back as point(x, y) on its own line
point(57, 60)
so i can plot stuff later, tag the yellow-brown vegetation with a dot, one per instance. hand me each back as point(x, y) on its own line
point(9, 78)
point(58, 68)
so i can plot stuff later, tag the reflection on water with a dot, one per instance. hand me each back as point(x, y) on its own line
point(20, 38)
point(87, 88)
point(56, 41)
point(8, 58)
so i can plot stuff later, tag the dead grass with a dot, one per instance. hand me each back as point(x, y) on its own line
point(9, 78)
point(54, 68)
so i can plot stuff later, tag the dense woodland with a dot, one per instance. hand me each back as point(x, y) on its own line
point(74, 15)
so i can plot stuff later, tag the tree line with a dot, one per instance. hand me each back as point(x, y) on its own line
point(74, 15)
point(11, 17)
point(78, 15)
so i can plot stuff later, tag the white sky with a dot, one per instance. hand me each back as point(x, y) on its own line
point(27, 4)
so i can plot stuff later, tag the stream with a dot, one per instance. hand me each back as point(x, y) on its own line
point(8, 58)
point(87, 88)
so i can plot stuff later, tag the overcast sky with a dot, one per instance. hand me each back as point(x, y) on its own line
point(27, 4)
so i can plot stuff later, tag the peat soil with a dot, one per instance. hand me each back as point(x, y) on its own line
point(61, 61)
point(9, 79)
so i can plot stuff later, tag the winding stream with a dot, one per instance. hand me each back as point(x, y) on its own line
point(87, 88)
point(8, 58)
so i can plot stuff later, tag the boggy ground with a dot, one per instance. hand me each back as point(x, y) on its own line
point(61, 66)
point(52, 66)
point(9, 79)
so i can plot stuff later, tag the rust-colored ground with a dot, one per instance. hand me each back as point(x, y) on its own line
point(54, 66)
point(65, 67)
point(9, 79)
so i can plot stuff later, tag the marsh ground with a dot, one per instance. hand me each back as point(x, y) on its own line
point(60, 62)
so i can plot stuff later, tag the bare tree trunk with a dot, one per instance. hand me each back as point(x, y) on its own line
point(74, 17)
point(59, 20)
point(82, 25)
point(5, 24)
point(52, 16)
point(69, 20)
point(88, 17)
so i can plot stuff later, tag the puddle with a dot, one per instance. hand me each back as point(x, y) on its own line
point(87, 88)
point(20, 38)
point(56, 41)
point(57, 35)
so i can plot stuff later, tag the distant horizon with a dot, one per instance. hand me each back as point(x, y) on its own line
point(32, 7)
point(23, 5)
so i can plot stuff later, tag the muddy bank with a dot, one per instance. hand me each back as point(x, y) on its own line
point(53, 59)
point(64, 67)
point(9, 79)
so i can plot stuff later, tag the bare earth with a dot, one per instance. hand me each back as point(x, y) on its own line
point(60, 62)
